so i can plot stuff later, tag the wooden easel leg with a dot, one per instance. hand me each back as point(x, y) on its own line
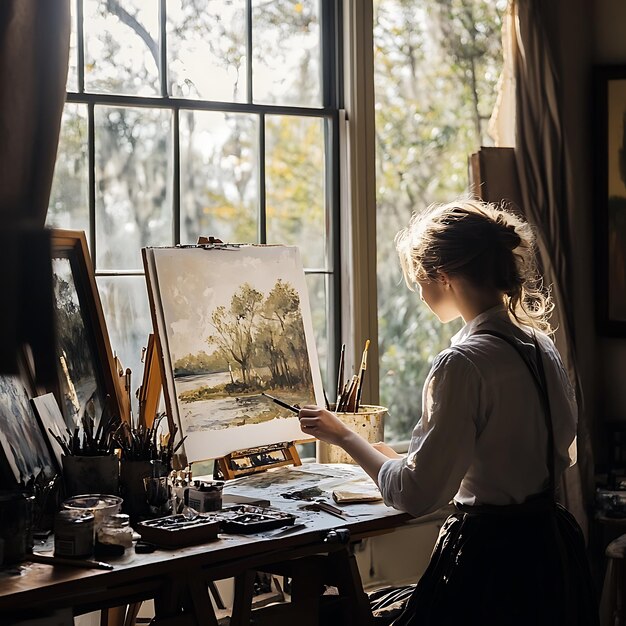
point(242, 602)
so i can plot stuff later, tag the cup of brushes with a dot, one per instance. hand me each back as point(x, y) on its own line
point(90, 463)
point(365, 419)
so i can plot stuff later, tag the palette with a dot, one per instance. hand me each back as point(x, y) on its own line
point(175, 531)
point(246, 519)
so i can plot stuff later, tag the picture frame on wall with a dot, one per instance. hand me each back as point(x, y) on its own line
point(610, 197)
point(87, 372)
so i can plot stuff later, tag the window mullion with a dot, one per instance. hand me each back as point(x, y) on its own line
point(163, 47)
point(80, 45)
point(176, 174)
point(262, 229)
point(91, 178)
point(249, 50)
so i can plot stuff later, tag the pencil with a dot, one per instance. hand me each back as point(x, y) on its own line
point(58, 560)
point(281, 403)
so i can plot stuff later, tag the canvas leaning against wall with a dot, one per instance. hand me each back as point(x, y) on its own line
point(22, 443)
point(233, 322)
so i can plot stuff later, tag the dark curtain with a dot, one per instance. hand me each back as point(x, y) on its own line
point(34, 49)
point(543, 171)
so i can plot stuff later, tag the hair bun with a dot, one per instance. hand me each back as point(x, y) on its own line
point(507, 233)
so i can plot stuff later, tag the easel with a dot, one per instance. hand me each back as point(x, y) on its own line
point(253, 460)
point(149, 392)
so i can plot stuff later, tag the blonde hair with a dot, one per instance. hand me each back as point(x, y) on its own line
point(483, 243)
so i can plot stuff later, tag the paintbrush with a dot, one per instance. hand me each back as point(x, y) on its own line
point(349, 398)
point(57, 560)
point(281, 403)
point(340, 384)
point(361, 376)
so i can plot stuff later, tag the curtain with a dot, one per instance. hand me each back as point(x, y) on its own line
point(34, 49)
point(528, 116)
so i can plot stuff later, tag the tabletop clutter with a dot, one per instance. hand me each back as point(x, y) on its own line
point(91, 529)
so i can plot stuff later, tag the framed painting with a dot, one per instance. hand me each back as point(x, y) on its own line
point(233, 322)
point(610, 195)
point(87, 373)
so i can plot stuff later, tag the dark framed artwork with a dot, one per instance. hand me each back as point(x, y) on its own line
point(610, 197)
point(87, 373)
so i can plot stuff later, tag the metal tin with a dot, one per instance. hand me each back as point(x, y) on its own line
point(73, 533)
point(205, 496)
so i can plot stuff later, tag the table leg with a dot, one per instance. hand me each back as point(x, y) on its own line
point(346, 571)
point(242, 602)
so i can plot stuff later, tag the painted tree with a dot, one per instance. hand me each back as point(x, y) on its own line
point(235, 328)
point(281, 337)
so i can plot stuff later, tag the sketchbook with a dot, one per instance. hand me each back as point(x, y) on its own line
point(233, 321)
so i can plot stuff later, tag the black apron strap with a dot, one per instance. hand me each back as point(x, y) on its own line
point(539, 378)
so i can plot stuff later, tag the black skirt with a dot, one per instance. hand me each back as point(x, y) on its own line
point(511, 565)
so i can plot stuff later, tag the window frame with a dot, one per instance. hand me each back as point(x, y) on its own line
point(331, 68)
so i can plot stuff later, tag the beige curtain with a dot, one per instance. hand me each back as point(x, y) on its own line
point(34, 48)
point(528, 117)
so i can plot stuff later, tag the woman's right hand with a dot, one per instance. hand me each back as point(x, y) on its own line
point(323, 424)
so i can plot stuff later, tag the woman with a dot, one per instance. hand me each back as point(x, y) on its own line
point(498, 429)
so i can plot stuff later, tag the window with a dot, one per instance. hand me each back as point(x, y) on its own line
point(200, 117)
point(436, 65)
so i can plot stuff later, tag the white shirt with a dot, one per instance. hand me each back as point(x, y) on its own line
point(482, 437)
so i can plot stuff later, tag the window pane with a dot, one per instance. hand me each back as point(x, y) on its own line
point(206, 42)
point(286, 52)
point(69, 197)
point(294, 180)
point(125, 305)
point(133, 184)
point(318, 299)
point(218, 176)
point(436, 66)
point(72, 70)
point(122, 47)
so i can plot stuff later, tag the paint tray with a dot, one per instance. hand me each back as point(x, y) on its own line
point(250, 519)
point(175, 531)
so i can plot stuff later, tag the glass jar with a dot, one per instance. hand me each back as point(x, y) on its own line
point(114, 535)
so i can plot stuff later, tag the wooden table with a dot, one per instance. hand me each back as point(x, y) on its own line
point(177, 579)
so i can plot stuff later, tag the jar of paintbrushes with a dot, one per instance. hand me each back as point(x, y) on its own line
point(365, 419)
point(90, 463)
point(146, 453)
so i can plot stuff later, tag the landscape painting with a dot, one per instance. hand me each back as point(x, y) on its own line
point(234, 323)
point(25, 449)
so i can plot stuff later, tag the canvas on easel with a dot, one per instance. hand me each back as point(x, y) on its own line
point(232, 321)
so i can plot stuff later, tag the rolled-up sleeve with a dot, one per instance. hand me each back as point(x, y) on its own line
point(442, 445)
